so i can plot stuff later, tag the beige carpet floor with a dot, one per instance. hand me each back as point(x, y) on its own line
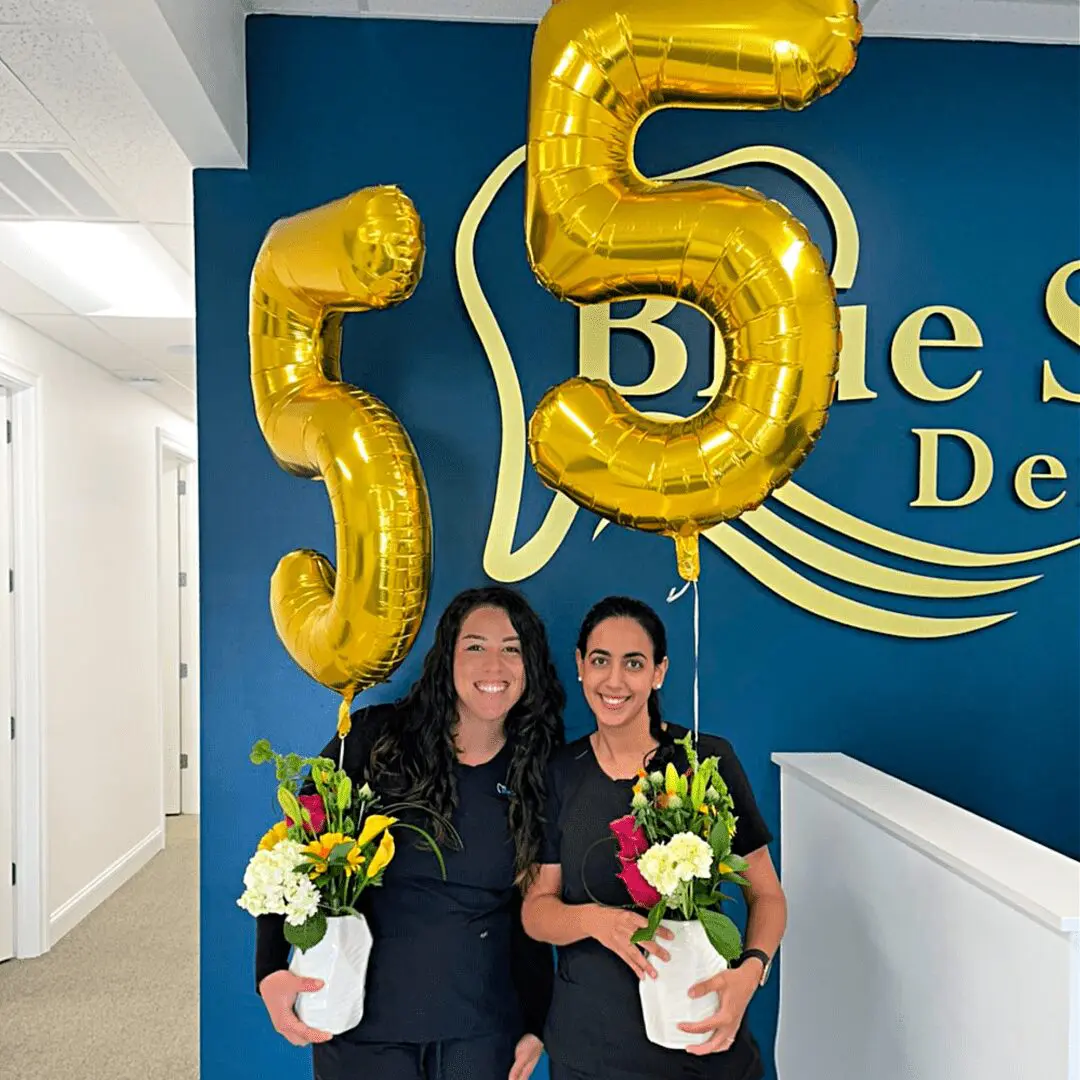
point(117, 998)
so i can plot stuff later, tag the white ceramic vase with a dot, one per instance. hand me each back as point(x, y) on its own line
point(340, 960)
point(664, 1000)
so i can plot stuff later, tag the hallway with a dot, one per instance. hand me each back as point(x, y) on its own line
point(117, 998)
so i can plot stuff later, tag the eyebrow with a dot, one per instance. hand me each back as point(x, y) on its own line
point(626, 656)
point(481, 637)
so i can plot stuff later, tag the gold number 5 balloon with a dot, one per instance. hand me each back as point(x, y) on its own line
point(598, 231)
point(349, 629)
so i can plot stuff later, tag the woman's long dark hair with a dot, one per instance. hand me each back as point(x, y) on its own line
point(414, 754)
point(626, 607)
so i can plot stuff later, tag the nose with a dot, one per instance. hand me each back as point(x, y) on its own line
point(494, 665)
point(613, 680)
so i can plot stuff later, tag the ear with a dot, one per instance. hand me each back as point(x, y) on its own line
point(661, 672)
point(579, 660)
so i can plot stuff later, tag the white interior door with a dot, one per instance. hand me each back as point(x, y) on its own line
point(7, 723)
point(170, 613)
point(189, 646)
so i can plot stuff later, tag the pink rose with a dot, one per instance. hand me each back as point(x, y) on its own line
point(641, 892)
point(632, 839)
point(314, 806)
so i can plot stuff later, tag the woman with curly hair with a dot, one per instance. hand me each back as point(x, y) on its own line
point(455, 990)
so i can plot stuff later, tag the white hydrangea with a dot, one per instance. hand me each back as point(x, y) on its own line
point(272, 885)
point(691, 855)
point(301, 900)
point(682, 858)
point(658, 869)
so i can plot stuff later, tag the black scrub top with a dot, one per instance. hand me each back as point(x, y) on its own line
point(450, 959)
point(595, 1023)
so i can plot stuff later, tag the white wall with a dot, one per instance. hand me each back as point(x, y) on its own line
point(101, 734)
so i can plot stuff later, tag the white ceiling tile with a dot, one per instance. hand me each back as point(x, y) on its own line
point(150, 338)
point(45, 12)
point(83, 337)
point(178, 241)
point(18, 297)
point(84, 86)
point(23, 119)
point(177, 398)
point(186, 379)
point(481, 10)
point(309, 7)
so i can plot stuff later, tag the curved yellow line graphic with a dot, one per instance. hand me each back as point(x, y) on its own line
point(796, 589)
point(810, 506)
point(501, 562)
point(844, 566)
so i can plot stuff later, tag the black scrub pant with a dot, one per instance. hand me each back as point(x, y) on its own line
point(485, 1058)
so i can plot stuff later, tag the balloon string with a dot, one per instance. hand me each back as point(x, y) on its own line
point(674, 595)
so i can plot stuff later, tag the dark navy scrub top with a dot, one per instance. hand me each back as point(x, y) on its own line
point(450, 959)
point(595, 1023)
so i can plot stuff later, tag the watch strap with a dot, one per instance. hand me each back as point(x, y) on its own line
point(764, 957)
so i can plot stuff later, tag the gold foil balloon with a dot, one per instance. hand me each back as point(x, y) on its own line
point(348, 629)
point(598, 231)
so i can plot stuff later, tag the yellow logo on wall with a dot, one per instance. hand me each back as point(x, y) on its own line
point(503, 563)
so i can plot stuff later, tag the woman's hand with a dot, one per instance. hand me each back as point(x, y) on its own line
point(526, 1056)
point(278, 991)
point(613, 927)
point(736, 987)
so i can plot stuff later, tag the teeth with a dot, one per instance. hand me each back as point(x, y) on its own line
point(613, 702)
point(491, 688)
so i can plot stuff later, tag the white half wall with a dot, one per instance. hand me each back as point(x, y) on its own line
point(98, 726)
point(924, 942)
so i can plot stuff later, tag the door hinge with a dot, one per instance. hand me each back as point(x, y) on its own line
point(9, 431)
point(13, 727)
point(183, 761)
point(13, 874)
point(183, 671)
point(11, 581)
point(181, 487)
point(183, 579)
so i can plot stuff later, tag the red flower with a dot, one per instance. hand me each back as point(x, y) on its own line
point(641, 892)
point(632, 839)
point(314, 806)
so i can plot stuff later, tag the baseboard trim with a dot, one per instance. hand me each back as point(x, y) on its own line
point(70, 914)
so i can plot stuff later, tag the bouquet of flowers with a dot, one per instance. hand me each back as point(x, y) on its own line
point(675, 850)
point(313, 866)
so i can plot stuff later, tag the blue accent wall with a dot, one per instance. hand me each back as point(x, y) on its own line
point(960, 163)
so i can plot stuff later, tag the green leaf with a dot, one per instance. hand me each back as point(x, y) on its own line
point(722, 933)
point(720, 842)
point(307, 935)
point(339, 851)
point(344, 793)
point(736, 879)
point(350, 826)
point(736, 862)
point(261, 752)
point(289, 804)
point(647, 933)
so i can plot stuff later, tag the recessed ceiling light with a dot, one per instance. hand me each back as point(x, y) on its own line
point(99, 268)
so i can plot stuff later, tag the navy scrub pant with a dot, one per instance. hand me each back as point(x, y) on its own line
point(486, 1058)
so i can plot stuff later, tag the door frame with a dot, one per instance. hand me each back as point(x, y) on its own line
point(28, 690)
point(168, 443)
